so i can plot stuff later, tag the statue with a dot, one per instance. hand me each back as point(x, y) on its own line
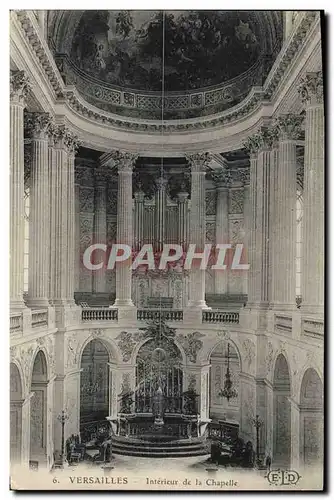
point(158, 407)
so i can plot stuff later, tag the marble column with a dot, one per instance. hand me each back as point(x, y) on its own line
point(62, 216)
point(139, 219)
point(77, 252)
point(252, 146)
point(311, 91)
point(100, 229)
point(37, 128)
point(289, 129)
point(198, 163)
point(160, 213)
point(273, 226)
point(247, 211)
point(223, 182)
point(260, 210)
point(19, 89)
point(124, 163)
point(72, 146)
point(182, 200)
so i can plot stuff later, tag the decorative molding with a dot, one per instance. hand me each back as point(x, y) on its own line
point(191, 344)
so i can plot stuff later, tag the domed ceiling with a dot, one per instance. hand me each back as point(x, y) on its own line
point(175, 64)
point(186, 49)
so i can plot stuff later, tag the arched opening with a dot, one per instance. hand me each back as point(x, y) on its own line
point(38, 409)
point(224, 358)
point(159, 367)
point(15, 414)
point(94, 385)
point(282, 414)
point(311, 419)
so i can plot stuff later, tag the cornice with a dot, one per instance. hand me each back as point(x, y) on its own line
point(255, 104)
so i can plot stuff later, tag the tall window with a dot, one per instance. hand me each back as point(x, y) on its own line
point(299, 238)
point(26, 238)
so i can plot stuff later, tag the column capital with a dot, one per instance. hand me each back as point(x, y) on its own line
point(268, 137)
point(311, 88)
point(289, 126)
point(139, 195)
point(37, 125)
point(19, 86)
point(221, 178)
point(182, 197)
point(199, 162)
point(64, 138)
point(252, 144)
point(245, 177)
point(123, 160)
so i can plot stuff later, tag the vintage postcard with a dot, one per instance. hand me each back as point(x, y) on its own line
point(166, 250)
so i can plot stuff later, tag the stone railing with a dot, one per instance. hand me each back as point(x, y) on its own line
point(313, 328)
point(283, 324)
point(145, 104)
point(39, 318)
point(220, 317)
point(99, 314)
point(16, 322)
point(165, 314)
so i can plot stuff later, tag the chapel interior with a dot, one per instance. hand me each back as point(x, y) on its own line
point(155, 128)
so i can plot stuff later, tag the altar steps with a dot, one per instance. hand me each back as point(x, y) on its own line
point(140, 448)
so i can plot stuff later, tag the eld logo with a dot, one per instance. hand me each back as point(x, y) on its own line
point(283, 477)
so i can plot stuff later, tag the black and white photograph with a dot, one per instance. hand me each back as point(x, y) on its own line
point(166, 233)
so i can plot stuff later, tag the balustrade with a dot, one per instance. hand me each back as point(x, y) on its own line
point(220, 317)
point(313, 328)
point(166, 314)
point(39, 318)
point(283, 324)
point(15, 323)
point(99, 314)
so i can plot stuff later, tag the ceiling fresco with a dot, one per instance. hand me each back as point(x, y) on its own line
point(185, 49)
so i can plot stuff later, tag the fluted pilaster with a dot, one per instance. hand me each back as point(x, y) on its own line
point(223, 182)
point(259, 147)
point(63, 216)
point(100, 228)
point(139, 219)
point(19, 88)
point(77, 255)
point(311, 91)
point(124, 163)
point(37, 127)
point(160, 213)
point(289, 129)
point(183, 219)
point(199, 164)
point(247, 211)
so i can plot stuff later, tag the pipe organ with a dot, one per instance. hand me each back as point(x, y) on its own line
point(161, 214)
